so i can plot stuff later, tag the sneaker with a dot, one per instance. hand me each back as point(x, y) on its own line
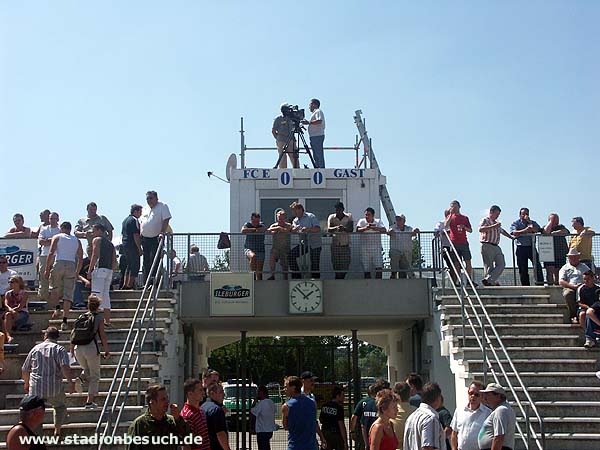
point(108, 325)
point(79, 385)
point(486, 282)
point(91, 405)
point(589, 343)
point(64, 326)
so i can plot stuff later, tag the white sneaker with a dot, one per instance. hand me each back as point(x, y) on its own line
point(589, 343)
point(91, 405)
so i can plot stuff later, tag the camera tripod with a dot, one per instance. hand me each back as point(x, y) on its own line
point(298, 130)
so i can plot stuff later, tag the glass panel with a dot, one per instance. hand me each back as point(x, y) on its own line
point(268, 206)
point(322, 208)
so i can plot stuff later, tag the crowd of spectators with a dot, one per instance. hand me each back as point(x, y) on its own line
point(411, 416)
point(340, 226)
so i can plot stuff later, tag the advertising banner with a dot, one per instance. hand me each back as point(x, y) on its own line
point(231, 294)
point(21, 255)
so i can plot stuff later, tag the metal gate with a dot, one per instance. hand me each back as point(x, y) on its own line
point(335, 364)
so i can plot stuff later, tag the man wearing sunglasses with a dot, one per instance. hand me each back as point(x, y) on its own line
point(498, 430)
point(467, 421)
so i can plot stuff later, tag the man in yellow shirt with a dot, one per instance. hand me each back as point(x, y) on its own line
point(583, 241)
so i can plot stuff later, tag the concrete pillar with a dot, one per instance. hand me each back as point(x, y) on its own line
point(398, 351)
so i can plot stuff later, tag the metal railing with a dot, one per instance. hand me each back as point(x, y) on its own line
point(129, 368)
point(475, 313)
point(353, 255)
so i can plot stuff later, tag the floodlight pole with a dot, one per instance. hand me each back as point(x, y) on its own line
point(242, 144)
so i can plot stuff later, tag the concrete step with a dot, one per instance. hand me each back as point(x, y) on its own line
point(118, 323)
point(561, 393)
point(146, 358)
point(116, 294)
point(455, 319)
point(550, 308)
point(566, 424)
point(517, 329)
point(540, 365)
point(74, 415)
point(565, 408)
point(499, 299)
point(76, 399)
point(540, 379)
point(132, 303)
point(568, 441)
point(27, 340)
point(16, 386)
point(509, 290)
point(469, 353)
point(541, 340)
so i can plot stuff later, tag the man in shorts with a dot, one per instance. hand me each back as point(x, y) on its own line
point(280, 250)
point(63, 264)
point(459, 227)
point(340, 224)
point(371, 230)
point(254, 247)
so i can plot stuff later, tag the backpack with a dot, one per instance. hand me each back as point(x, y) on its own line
point(84, 330)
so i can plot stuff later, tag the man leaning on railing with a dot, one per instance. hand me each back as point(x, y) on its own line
point(305, 222)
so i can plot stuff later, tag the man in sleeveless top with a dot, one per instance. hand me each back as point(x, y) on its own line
point(103, 263)
point(299, 414)
point(31, 411)
point(63, 265)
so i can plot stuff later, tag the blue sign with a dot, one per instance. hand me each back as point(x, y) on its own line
point(285, 178)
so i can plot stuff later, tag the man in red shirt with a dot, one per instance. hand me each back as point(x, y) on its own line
point(193, 415)
point(459, 226)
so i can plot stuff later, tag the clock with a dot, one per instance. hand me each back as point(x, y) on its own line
point(306, 297)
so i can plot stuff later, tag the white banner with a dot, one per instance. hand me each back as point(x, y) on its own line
point(21, 255)
point(546, 248)
point(231, 294)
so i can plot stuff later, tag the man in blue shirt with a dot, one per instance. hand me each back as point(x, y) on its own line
point(310, 240)
point(523, 229)
point(299, 417)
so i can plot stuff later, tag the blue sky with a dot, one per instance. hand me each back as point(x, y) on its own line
point(487, 102)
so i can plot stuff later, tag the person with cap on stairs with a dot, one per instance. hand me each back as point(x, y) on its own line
point(498, 430)
point(570, 278)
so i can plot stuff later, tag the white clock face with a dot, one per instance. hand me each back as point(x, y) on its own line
point(306, 297)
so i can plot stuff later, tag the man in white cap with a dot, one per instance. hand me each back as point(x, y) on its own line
point(498, 430)
point(283, 128)
point(570, 278)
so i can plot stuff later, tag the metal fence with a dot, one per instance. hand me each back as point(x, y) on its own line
point(347, 255)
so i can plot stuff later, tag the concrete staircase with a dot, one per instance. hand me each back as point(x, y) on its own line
point(547, 352)
point(81, 421)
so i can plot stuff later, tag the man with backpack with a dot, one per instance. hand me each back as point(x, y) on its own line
point(84, 347)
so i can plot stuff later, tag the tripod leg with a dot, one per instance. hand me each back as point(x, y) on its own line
point(308, 152)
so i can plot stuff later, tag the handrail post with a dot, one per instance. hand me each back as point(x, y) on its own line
point(484, 353)
point(534, 258)
point(139, 351)
point(512, 243)
point(462, 307)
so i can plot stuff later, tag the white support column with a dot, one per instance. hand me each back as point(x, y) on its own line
point(398, 350)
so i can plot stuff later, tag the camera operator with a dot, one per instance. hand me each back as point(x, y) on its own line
point(283, 128)
point(316, 132)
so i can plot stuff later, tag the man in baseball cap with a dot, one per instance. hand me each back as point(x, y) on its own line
point(498, 430)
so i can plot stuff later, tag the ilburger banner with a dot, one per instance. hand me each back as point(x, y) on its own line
point(21, 255)
point(231, 294)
